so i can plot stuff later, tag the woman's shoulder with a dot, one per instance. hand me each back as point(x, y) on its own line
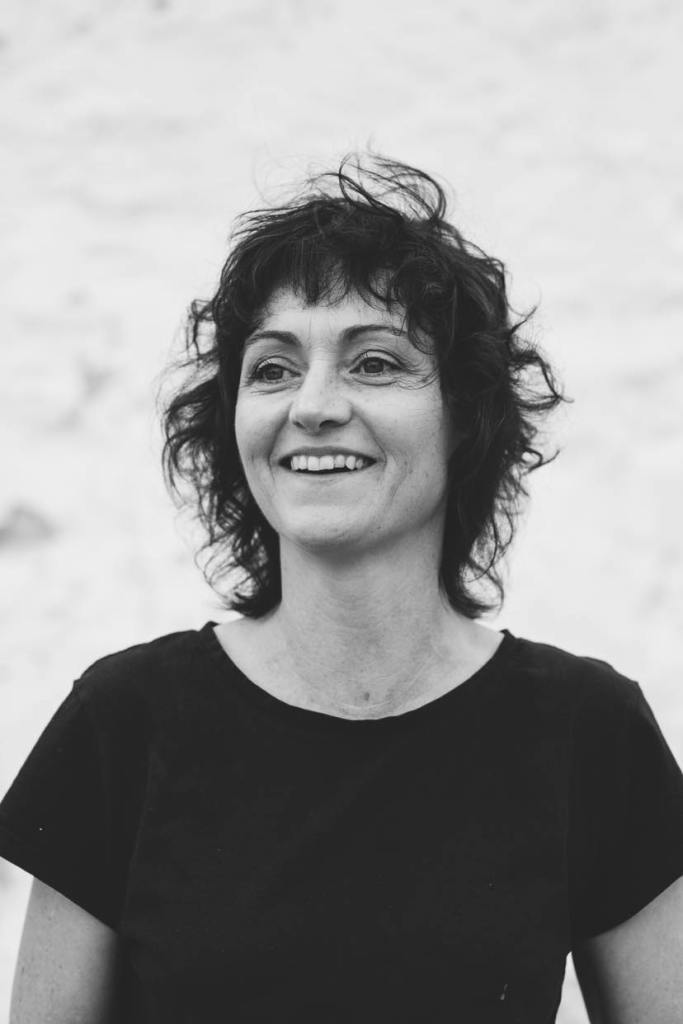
point(584, 679)
point(140, 669)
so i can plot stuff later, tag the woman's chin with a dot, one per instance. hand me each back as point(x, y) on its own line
point(325, 534)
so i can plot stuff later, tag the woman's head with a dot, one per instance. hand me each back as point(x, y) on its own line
point(371, 235)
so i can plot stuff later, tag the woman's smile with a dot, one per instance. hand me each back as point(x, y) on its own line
point(320, 462)
point(327, 475)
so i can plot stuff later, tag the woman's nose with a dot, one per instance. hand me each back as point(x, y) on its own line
point(320, 396)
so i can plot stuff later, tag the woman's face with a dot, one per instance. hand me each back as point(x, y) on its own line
point(342, 376)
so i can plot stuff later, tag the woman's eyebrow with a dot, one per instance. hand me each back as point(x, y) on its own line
point(348, 334)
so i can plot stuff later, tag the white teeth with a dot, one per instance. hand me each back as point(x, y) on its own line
point(324, 463)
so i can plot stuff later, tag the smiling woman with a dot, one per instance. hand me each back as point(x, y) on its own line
point(354, 802)
point(374, 254)
point(350, 366)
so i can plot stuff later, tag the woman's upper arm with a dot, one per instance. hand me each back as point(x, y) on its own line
point(633, 974)
point(66, 968)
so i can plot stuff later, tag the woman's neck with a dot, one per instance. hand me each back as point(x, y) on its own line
point(369, 637)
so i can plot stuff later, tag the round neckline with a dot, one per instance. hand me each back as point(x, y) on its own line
point(309, 719)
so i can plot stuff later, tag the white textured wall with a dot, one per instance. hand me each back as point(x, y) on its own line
point(133, 132)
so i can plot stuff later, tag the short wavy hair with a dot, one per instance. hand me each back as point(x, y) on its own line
point(376, 227)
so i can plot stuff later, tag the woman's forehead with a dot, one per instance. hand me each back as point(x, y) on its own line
point(337, 319)
point(286, 306)
point(332, 323)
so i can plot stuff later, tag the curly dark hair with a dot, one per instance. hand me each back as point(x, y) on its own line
point(377, 227)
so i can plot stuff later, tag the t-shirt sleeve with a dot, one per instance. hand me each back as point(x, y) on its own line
point(54, 819)
point(626, 816)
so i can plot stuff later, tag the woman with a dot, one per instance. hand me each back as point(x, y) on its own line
point(356, 802)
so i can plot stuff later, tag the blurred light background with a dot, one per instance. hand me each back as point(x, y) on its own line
point(132, 134)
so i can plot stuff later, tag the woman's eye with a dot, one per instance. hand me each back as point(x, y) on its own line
point(378, 359)
point(258, 372)
point(262, 372)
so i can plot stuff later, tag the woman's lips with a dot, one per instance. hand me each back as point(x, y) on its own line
point(327, 474)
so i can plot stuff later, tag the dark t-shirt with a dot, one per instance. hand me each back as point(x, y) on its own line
point(262, 862)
